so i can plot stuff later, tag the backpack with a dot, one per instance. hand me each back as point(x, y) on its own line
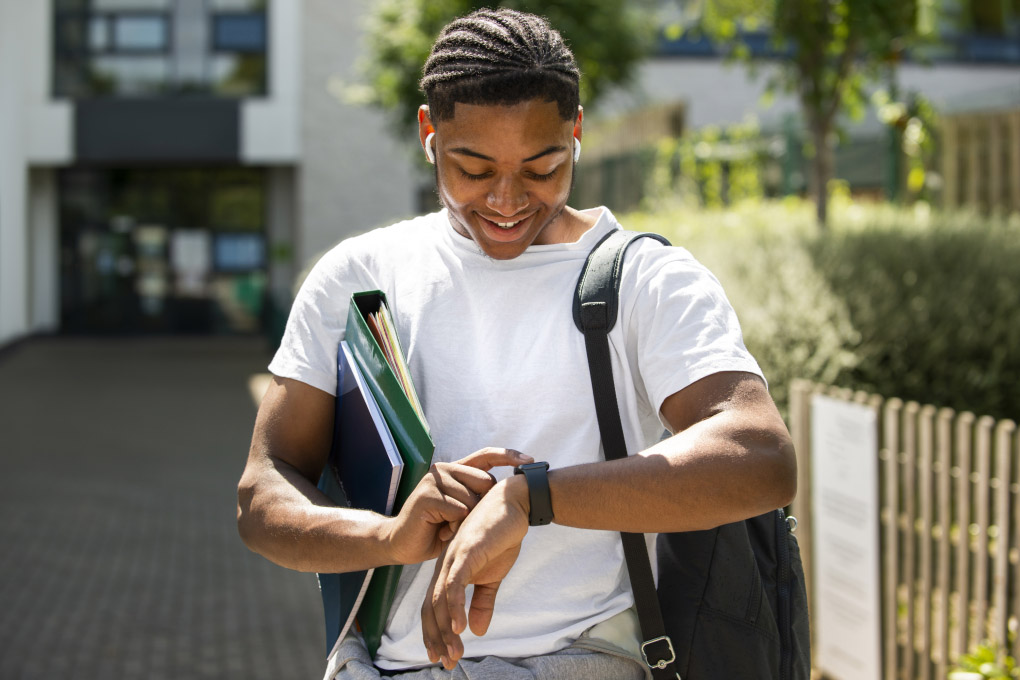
point(731, 601)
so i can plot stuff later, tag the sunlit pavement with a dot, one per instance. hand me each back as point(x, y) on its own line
point(119, 554)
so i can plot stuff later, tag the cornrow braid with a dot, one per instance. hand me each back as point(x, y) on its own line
point(500, 56)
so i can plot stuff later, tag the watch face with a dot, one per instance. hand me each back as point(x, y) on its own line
point(540, 465)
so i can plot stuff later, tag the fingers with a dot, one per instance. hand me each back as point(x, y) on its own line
point(466, 484)
point(443, 499)
point(468, 479)
point(455, 585)
point(441, 643)
point(434, 647)
point(490, 457)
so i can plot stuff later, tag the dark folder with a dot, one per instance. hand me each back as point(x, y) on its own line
point(413, 441)
point(363, 471)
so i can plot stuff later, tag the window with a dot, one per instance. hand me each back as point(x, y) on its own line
point(239, 32)
point(167, 47)
point(139, 33)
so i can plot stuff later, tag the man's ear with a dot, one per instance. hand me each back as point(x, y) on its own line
point(425, 128)
point(577, 123)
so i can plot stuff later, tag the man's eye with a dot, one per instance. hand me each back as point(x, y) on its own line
point(469, 175)
point(540, 177)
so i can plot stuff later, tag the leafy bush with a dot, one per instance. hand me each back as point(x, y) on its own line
point(985, 662)
point(792, 323)
point(935, 298)
point(899, 302)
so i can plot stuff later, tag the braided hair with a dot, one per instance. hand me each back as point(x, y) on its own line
point(500, 56)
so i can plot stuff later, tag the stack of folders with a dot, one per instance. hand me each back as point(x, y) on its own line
point(381, 450)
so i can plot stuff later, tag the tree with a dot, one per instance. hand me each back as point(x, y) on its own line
point(608, 37)
point(828, 50)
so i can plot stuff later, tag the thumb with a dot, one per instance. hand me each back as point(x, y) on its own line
point(483, 603)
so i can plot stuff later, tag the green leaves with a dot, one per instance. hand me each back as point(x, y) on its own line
point(985, 662)
point(608, 38)
point(835, 47)
point(900, 302)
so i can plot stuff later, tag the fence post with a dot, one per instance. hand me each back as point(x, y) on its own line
point(974, 142)
point(996, 199)
point(950, 162)
point(944, 445)
point(964, 429)
point(909, 461)
point(983, 450)
point(1014, 159)
point(1015, 491)
point(890, 449)
point(1003, 476)
point(926, 446)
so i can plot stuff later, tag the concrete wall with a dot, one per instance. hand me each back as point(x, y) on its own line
point(353, 174)
point(13, 178)
point(270, 126)
point(34, 132)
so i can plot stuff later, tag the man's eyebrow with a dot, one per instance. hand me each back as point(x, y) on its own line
point(546, 152)
point(464, 151)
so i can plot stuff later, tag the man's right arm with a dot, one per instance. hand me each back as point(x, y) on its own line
point(284, 517)
point(280, 512)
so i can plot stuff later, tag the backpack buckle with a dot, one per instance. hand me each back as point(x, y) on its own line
point(662, 661)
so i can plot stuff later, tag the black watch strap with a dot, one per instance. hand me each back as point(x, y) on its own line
point(538, 489)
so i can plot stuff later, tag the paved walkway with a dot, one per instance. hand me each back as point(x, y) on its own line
point(119, 554)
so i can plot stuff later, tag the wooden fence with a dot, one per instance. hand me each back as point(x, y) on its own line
point(950, 529)
point(981, 160)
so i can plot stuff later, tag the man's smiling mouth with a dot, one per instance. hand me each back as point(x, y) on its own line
point(507, 224)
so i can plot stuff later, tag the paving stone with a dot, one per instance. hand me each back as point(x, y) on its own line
point(119, 460)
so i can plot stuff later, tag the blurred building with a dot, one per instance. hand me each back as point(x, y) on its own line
point(167, 165)
point(971, 63)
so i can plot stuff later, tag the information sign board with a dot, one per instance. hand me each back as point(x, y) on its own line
point(845, 517)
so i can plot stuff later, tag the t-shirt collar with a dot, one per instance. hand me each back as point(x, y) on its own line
point(605, 222)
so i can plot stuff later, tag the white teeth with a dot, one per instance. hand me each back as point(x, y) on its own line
point(506, 225)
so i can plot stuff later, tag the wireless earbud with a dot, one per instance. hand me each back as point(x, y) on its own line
point(429, 151)
point(577, 149)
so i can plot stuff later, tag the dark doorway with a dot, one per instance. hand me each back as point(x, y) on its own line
point(162, 250)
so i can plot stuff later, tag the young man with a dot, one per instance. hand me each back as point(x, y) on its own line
point(481, 297)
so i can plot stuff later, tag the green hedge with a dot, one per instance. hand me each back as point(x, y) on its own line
point(899, 302)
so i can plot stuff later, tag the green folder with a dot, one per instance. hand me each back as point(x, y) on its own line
point(413, 441)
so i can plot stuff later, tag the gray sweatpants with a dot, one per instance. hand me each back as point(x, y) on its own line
point(587, 659)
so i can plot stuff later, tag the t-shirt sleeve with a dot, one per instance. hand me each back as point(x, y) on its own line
point(684, 326)
point(316, 323)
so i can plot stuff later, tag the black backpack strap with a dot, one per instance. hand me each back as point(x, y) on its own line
point(596, 306)
point(785, 596)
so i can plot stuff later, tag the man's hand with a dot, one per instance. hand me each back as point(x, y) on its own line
point(441, 501)
point(482, 553)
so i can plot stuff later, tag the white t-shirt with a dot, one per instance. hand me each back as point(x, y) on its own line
point(497, 361)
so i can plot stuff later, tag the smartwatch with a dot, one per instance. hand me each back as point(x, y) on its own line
point(538, 490)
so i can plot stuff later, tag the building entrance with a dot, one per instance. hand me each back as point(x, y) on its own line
point(162, 250)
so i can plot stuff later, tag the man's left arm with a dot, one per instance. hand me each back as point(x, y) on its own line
point(730, 458)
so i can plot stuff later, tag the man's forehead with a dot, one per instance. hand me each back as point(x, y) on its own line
point(465, 112)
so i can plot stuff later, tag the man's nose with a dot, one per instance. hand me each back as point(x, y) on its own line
point(507, 197)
